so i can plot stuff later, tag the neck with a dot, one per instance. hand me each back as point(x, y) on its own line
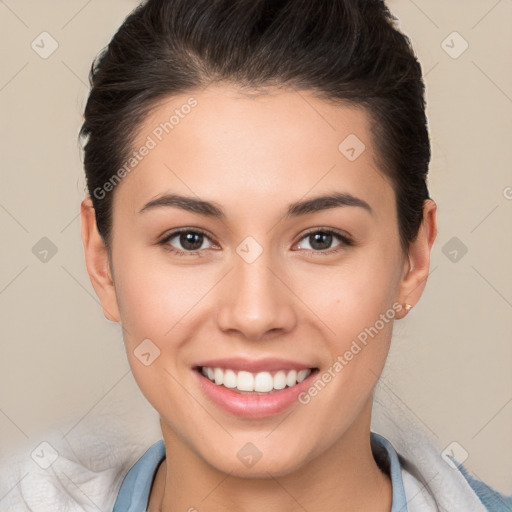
point(344, 478)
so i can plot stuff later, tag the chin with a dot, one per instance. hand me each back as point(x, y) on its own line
point(246, 463)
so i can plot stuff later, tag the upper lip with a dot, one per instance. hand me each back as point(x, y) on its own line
point(255, 365)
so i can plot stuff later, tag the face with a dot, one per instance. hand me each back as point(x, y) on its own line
point(250, 275)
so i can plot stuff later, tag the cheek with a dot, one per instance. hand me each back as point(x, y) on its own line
point(155, 295)
point(156, 302)
point(354, 305)
point(352, 295)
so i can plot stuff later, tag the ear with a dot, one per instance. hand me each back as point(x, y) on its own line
point(97, 262)
point(416, 269)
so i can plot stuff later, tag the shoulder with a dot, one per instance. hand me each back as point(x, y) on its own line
point(425, 463)
point(492, 499)
point(68, 476)
point(51, 473)
point(424, 481)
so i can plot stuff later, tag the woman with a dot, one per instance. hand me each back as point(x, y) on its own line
point(258, 217)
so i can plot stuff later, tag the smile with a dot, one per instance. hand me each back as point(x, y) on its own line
point(253, 389)
point(264, 382)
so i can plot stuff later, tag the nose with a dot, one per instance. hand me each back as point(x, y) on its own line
point(256, 300)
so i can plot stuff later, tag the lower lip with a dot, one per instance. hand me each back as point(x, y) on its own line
point(253, 406)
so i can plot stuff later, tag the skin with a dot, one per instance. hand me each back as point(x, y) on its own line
point(253, 155)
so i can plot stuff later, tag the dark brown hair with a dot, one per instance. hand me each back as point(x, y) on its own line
point(346, 51)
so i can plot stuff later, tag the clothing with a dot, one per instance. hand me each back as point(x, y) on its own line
point(105, 458)
point(409, 494)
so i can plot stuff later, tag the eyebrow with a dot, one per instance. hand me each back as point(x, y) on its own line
point(214, 210)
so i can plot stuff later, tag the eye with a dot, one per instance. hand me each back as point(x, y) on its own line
point(192, 242)
point(320, 241)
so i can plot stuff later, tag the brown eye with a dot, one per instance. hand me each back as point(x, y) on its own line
point(185, 242)
point(321, 241)
point(191, 241)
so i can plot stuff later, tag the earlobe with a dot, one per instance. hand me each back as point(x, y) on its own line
point(416, 269)
point(97, 262)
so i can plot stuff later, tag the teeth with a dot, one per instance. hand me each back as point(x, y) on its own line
point(229, 379)
point(302, 374)
point(280, 380)
point(262, 382)
point(291, 378)
point(219, 376)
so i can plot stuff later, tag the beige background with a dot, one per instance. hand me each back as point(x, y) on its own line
point(451, 361)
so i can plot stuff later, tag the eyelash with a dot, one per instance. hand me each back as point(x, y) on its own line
point(344, 239)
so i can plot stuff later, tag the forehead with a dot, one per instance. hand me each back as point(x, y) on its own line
point(224, 145)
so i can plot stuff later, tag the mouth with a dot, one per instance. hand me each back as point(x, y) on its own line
point(255, 383)
point(257, 394)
